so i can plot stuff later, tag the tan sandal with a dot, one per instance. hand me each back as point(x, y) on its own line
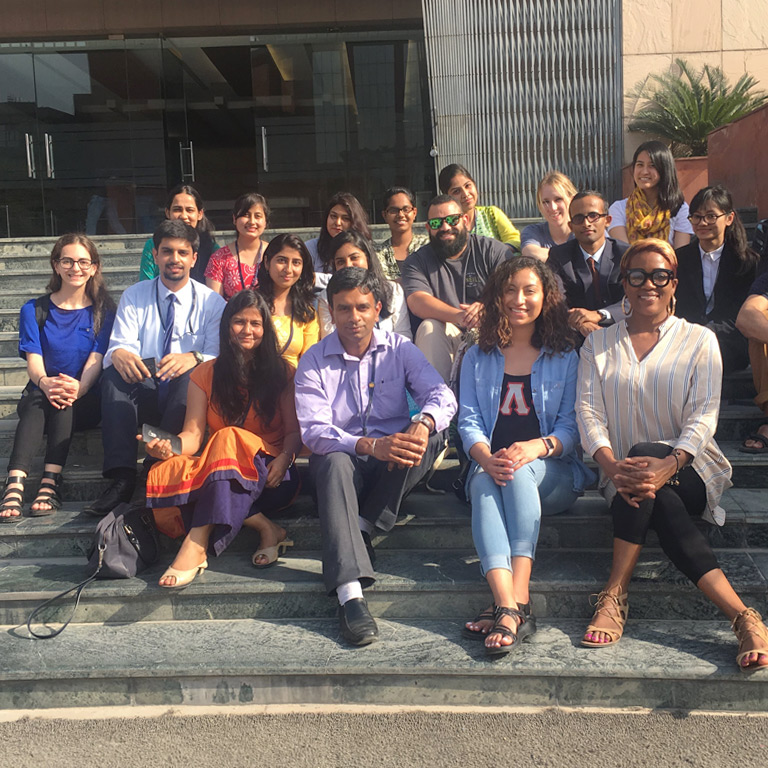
point(271, 553)
point(749, 621)
point(183, 577)
point(613, 607)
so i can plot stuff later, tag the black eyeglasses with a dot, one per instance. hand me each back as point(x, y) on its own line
point(591, 217)
point(68, 263)
point(406, 209)
point(659, 277)
point(451, 221)
point(709, 218)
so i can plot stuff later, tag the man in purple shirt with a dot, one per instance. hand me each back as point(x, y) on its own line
point(367, 451)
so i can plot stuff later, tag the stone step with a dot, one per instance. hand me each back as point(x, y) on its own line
point(39, 260)
point(11, 300)
point(685, 665)
point(410, 584)
point(427, 522)
point(16, 281)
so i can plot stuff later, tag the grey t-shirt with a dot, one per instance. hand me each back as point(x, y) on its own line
point(454, 281)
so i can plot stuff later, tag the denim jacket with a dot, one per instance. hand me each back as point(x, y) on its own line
point(553, 387)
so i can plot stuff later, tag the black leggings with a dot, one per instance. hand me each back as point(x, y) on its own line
point(670, 514)
point(38, 417)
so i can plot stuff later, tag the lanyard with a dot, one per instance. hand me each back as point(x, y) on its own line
point(240, 266)
point(191, 310)
point(363, 415)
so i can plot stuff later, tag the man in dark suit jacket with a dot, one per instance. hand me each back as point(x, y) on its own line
point(589, 266)
point(719, 310)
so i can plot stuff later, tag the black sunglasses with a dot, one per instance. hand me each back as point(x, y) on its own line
point(451, 221)
point(659, 277)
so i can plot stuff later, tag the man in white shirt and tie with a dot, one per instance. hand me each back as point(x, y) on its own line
point(163, 329)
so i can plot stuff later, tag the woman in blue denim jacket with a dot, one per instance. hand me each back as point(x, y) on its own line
point(517, 423)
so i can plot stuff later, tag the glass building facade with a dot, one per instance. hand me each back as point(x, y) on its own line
point(94, 132)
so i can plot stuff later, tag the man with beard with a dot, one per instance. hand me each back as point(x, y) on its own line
point(163, 329)
point(443, 281)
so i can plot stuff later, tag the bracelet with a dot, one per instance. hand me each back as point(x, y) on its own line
point(675, 479)
point(373, 448)
point(40, 379)
point(291, 457)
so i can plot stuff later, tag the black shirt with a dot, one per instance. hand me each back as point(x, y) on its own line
point(517, 420)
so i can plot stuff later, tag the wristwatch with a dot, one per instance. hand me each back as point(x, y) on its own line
point(549, 445)
point(422, 418)
point(605, 317)
point(198, 357)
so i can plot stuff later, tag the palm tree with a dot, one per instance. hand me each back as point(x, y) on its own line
point(684, 107)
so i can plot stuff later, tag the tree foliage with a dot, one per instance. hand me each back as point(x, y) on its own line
point(684, 106)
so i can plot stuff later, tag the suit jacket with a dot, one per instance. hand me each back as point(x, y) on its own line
point(568, 263)
point(731, 289)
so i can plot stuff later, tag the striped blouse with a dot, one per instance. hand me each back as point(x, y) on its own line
point(671, 396)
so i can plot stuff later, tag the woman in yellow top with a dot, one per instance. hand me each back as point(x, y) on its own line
point(484, 220)
point(287, 282)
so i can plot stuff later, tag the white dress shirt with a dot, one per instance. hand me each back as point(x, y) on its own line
point(595, 256)
point(142, 310)
point(710, 264)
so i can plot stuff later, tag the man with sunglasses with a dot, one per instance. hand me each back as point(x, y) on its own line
point(443, 281)
point(163, 329)
point(589, 266)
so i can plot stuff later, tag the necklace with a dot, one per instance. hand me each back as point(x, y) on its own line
point(255, 265)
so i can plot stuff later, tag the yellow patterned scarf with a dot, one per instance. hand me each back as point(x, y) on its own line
point(644, 221)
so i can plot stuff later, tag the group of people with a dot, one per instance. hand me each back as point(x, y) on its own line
point(588, 331)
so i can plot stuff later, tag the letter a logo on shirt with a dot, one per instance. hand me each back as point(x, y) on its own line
point(515, 398)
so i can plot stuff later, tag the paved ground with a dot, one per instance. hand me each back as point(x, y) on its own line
point(384, 739)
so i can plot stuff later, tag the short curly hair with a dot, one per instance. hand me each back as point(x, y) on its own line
point(551, 326)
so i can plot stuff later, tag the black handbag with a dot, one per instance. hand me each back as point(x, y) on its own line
point(125, 543)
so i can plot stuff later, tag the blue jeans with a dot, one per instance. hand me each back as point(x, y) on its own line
point(505, 519)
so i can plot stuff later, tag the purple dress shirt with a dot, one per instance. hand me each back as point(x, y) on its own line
point(333, 392)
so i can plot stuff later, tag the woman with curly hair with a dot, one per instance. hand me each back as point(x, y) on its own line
point(287, 282)
point(245, 472)
point(517, 423)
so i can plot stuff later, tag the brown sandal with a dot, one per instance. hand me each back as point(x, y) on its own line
point(749, 621)
point(613, 607)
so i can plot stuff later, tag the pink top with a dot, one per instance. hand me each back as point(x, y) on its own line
point(223, 268)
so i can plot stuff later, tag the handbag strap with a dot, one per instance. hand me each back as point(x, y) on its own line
point(78, 591)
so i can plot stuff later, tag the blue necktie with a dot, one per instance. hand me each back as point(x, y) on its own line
point(170, 317)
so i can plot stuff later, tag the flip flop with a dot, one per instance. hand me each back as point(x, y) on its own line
point(758, 438)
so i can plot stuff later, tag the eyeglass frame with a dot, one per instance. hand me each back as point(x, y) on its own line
point(394, 211)
point(440, 219)
point(61, 260)
point(696, 218)
point(591, 217)
point(670, 275)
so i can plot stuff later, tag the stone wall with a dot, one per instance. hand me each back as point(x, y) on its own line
point(731, 34)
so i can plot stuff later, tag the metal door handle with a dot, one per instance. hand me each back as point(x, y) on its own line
point(49, 167)
point(30, 144)
point(190, 150)
point(264, 149)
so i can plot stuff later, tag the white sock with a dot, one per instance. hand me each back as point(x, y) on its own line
point(365, 525)
point(349, 591)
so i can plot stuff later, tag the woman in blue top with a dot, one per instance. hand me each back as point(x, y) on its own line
point(63, 335)
point(517, 423)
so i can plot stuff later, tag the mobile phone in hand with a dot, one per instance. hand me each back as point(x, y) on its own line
point(151, 364)
point(149, 433)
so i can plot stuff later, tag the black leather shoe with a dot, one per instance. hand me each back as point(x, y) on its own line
point(117, 492)
point(369, 548)
point(356, 623)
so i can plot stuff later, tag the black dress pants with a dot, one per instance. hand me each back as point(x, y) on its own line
point(672, 515)
point(124, 407)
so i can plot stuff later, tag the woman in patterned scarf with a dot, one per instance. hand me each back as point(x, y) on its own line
point(656, 207)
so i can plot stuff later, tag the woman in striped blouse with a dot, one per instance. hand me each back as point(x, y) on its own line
point(647, 408)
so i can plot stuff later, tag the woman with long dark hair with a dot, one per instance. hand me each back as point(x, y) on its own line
point(516, 421)
point(235, 267)
point(63, 335)
point(343, 212)
point(656, 207)
point(245, 397)
point(185, 203)
point(717, 271)
point(287, 282)
point(351, 249)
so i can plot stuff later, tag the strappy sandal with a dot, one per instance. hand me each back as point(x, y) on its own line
point(489, 614)
point(271, 553)
point(613, 607)
point(524, 630)
point(48, 493)
point(749, 621)
point(13, 499)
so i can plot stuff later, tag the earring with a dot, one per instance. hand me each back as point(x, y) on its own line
point(624, 309)
point(672, 305)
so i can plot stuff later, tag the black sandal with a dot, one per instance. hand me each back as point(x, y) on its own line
point(477, 634)
point(13, 499)
point(524, 630)
point(48, 493)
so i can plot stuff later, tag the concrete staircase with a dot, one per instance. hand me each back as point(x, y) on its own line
point(237, 635)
